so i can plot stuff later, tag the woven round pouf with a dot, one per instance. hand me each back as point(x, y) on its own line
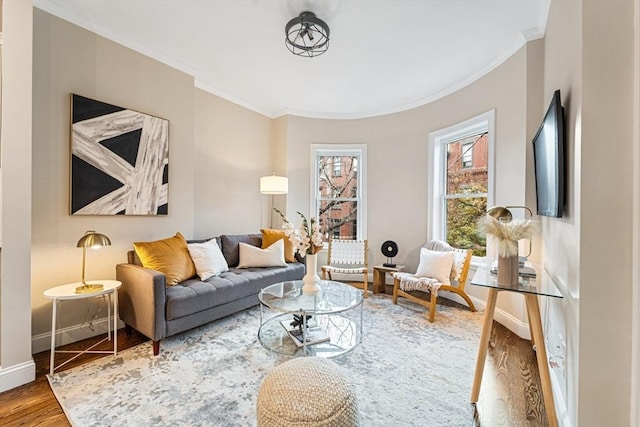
point(309, 391)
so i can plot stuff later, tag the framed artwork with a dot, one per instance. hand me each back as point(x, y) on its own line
point(119, 160)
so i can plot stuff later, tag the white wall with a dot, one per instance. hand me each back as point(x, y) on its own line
point(16, 364)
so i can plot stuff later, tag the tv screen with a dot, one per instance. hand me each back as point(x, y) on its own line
point(548, 155)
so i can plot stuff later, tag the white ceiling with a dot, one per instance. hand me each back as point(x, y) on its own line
point(384, 56)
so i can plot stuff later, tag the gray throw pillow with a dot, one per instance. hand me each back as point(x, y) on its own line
point(231, 246)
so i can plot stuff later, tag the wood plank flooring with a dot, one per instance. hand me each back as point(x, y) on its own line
point(510, 394)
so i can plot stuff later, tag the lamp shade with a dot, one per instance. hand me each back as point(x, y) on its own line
point(91, 239)
point(274, 184)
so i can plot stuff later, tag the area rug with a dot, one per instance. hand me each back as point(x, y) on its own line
point(406, 372)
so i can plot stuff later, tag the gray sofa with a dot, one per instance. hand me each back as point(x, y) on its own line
point(157, 311)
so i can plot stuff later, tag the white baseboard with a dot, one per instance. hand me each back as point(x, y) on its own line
point(17, 375)
point(510, 322)
point(558, 396)
point(70, 334)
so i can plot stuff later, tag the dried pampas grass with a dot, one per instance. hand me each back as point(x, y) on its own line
point(507, 233)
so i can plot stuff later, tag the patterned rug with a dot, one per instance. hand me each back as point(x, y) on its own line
point(407, 372)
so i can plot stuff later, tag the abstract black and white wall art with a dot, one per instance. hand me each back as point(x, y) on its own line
point(119, 160)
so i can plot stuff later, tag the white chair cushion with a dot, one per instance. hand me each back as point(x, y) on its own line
point(436, 265)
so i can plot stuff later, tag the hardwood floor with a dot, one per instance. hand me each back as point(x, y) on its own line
point(510, 394)
point(34, 404)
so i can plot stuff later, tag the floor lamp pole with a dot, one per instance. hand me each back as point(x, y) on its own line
point(271, 212)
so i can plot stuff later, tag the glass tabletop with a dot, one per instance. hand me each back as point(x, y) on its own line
point(334, 297)
point(541, 284)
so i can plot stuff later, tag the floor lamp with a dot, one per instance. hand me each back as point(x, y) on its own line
point(273, 185)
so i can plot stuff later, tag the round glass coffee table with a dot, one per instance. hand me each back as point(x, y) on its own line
point(329, 324)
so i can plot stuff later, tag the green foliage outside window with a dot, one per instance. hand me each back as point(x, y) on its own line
point(462, 217)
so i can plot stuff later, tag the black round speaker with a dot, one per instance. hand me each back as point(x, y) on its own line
point(389, 249)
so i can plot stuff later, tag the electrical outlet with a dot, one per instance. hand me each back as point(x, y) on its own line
point(558, 355)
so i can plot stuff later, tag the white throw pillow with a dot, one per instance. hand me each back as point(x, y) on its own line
point(253, 256)
point(208, 259)
point(436, 265)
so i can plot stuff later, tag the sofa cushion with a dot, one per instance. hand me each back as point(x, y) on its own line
point(270, 236)
point(192, 296)
point(169, 256)
point(230, 248)
point(208, 258)
point(273, 256)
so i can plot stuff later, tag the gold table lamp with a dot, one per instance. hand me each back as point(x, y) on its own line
point(93, 240)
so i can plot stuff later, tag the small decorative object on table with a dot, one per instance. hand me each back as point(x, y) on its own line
point(297, 331)
point(507, 234)
point(299, 320)
point(307, 241)
point(389, 249)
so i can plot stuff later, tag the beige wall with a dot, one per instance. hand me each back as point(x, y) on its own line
point(607, 147)
point(589, 57)
point(561, 250)
point(16, 364)
point(233, 149)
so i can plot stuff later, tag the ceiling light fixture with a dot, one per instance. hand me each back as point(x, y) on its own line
point(307, 35)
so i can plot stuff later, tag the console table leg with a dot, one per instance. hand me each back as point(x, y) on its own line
point(484, 343)
point(541, 355)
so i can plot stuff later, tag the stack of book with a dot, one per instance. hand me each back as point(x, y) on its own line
point(315, 335)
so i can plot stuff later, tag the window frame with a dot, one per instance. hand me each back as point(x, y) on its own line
point(340, 150)
point(438, 140)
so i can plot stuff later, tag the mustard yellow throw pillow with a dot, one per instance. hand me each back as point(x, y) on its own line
point(169, 256)
point(270, 236)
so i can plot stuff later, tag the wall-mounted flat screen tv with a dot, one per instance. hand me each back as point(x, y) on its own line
point(548, 154)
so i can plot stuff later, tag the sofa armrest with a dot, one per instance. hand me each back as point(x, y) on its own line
point(142, 299)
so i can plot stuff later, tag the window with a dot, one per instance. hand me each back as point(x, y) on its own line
point(467, 154)
point(337, 166)
point(337, 180)
point(462, 160)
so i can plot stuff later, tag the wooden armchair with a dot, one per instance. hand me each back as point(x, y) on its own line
point(405, 282)
point(348, 257)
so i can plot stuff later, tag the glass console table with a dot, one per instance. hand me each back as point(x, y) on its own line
point(336, 310)
point(530, 287)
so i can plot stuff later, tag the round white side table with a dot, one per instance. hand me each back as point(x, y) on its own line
point(68, 292)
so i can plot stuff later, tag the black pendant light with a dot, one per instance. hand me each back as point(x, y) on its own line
point(307, 35)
